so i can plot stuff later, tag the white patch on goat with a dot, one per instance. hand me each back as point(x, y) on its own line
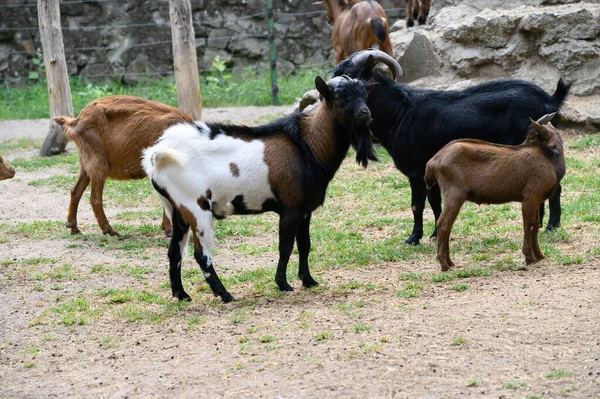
point(192, 164)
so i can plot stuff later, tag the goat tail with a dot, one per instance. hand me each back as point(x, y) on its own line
point(68, 123)
point(430, 180)
point(156, 159)
point(562, 89)
point(379, 29)
point(65, 121)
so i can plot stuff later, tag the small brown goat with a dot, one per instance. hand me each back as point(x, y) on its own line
point(356, 27)
point(486, 173)
point(6, 171)
point(111, 133)
point(417, 9)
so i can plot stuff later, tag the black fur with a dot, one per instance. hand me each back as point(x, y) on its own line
point(413, 124)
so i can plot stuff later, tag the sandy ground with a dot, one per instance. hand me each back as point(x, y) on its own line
point(499, 339)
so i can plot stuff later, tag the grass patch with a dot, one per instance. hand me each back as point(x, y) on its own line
point(460, 341)
point(412, 290)
point(219, 89)
point(361, 327)
point(555, 374)
point(514, 385)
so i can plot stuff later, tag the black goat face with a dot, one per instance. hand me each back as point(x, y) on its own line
point(351, 98)
point(347, 99)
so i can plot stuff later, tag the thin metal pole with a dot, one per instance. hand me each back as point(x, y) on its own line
point(274, 88)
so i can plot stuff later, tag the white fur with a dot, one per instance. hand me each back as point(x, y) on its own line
point(187, 163)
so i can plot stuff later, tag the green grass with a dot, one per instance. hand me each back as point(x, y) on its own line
point(513, 385)
point(242, 88)
point(555, 374)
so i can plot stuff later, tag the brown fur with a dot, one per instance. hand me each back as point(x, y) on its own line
point(282, 158)
point(417, 9)
point(111, 133)
point(235, 171)
point(6, 171)
point(486, 173)
point(352, 29)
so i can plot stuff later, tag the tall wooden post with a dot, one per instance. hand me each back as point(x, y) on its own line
point(59, 90)
point(184, 58)
point(272, 55)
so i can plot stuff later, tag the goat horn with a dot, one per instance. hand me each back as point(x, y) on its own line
point(319, 2)
point(546, 118)
point(333, 82)
point(360, 57)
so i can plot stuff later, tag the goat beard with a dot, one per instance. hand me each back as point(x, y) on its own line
point(362, 143)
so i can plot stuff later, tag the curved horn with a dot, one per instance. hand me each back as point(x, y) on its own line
point(546, 118)
point(360, 57)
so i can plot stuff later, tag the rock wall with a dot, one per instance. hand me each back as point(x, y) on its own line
point(470, 41)
point(130, 38)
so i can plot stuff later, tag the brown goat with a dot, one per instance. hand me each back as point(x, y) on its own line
point(486, 173)
point(357, 27)
point(6, 171)
point(111, 133)
point(417, 9)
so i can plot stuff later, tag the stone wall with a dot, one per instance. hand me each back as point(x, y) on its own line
point(130, 38)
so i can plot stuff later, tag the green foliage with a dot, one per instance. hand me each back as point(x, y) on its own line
point(220, 87)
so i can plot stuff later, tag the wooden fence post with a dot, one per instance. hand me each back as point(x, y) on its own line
point(59, 91)
point(272, 55)
point(184, 58)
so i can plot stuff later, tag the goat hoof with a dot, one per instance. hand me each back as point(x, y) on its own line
point(75, 231)
point(412, 240)
point(285, 287)
point(110, 232)
point(552, 226)
point(531, 259)
point(410, 23)
point(309, 282)
point(169, 233)
point(422, 20)
point(226, 297)
point(182, 296)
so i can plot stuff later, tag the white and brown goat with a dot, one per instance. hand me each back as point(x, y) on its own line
point(203, 171)
point(487, 173)
point(111, 133)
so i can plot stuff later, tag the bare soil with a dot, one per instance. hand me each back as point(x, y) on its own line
point(498, 339)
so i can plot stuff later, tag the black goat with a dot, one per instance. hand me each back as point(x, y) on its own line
point(203, 171)
point(413, 124)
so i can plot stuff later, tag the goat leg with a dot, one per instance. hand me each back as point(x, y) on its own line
point(210, 275)
point(555, 211)
point(288, 228)
point(530, 218)
point(418, 195)
point(303, 240)
point(434, 196)
point(534, 239)
point(179, 239)
point(82, 182)
point(444, 226)
point(98, 208)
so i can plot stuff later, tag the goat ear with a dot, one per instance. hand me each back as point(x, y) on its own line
point(368, 67)
point(323, 88)
point(540, 130)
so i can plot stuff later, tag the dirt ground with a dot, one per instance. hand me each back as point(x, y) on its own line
point(528, 333)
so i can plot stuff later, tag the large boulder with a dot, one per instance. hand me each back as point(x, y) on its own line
point(536, 40)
